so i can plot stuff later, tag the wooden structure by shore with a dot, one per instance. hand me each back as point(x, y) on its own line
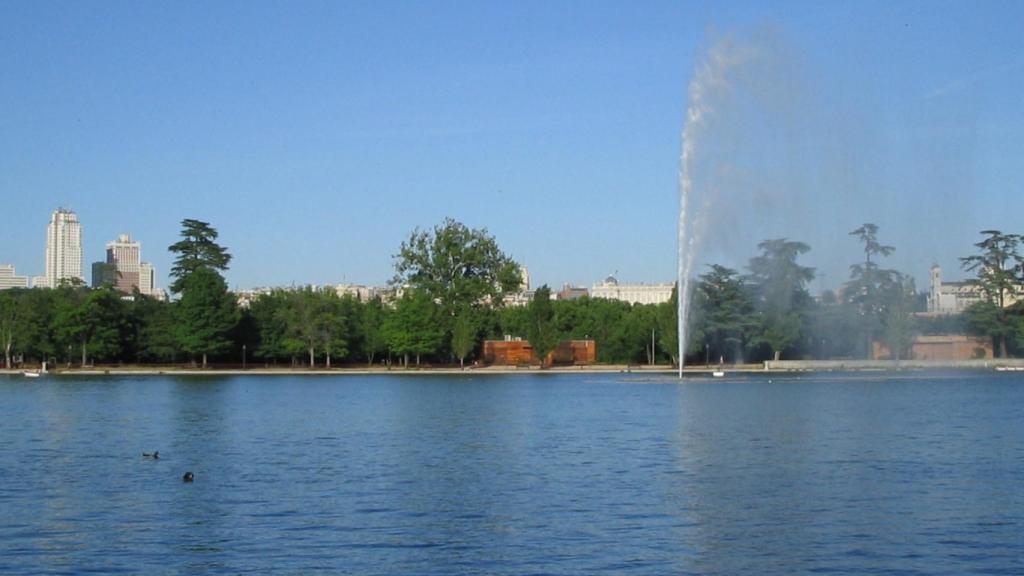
point(520, 353)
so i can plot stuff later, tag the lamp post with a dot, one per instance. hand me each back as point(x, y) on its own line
point(243, 356)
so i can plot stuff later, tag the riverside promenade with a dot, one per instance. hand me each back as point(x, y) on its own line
point(770, 366)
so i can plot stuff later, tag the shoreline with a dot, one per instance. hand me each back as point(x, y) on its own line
point(768, 367)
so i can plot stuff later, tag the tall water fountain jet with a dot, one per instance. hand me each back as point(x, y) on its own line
point(710, 83)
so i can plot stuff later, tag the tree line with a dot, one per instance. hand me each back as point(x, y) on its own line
point(448, 296)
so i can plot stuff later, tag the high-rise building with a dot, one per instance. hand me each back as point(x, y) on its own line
point(122, 265)
point(147, 278)
point(124, 268)
point(9, 280)
point(63, 248)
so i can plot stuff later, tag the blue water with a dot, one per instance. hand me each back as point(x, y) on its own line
point(912, 473)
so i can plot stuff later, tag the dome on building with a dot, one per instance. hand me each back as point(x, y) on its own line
point(611, 281)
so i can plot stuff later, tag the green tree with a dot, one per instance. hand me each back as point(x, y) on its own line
point(96, 321)
point(869, 284)
point(512, 321)
point(310, 319)
point(414, 326)
point(71, 324)
point(155, 329)
point(337, 328)
point(456, 266)
point(1000, 271)
point(779, 291)
point(667, 319)
point(206, 314)
point(107, 323)
point(727, 316)
point(35, 333)
point(271, 324)
point(9, 314)
point(540, 331)
point(898, 326)
point(196, 249)
point(371, 329)
point(464, 335)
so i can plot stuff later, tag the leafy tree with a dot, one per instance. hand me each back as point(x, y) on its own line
point(371, 329)
point(71, 320)
point(464, 335)
point(869, 284)
point(898, 326)
point(96, 321)
point(726, 311)
point(1000, 271)
point(540, 331)
point(603, 321)
point(455, 266)
point(196, 249)
point(779, 291)
point(337, 327)
point(667, 319)
point(1003, 325)
point(512, 321)
point(206, 314)
point(35, 334)
point(641, 329)
point(9, 314)
point(106, 322)
point(309, 318)
point(155, 328)
point(271, 323)
point(414, 326)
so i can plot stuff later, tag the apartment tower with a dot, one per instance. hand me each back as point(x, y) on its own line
point(63, 248)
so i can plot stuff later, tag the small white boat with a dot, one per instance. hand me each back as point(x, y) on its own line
point(718, 374)
point(30, 374)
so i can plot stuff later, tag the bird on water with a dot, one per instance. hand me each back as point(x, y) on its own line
point(188, 477)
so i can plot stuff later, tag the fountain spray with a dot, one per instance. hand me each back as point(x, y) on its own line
point(710, 83)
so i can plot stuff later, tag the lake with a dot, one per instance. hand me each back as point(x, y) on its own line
point(901, 473)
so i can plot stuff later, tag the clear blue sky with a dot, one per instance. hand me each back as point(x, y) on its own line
point(316, 135)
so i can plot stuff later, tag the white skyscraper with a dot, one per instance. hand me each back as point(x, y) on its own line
point(63, 248)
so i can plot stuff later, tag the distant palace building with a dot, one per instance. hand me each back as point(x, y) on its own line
point(124, 269)
point(63, 248)
point(610, 289)
point(955, 297)
point(9, 280)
